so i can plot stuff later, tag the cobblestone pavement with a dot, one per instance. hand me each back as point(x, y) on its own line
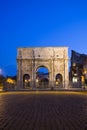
point(43, 111)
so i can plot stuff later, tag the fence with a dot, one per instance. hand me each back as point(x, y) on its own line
point(44, 86)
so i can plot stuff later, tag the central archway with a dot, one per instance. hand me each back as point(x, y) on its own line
point(42, 77)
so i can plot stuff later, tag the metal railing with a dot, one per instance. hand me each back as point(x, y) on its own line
point(49, 86)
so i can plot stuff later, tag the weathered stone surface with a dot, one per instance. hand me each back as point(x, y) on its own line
point(55, 59)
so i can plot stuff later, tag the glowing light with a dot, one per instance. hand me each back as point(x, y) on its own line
point(29, 80)
point(25, 80)
point(0, 71)
point(85, 71)
point(83, 79)
point(74, 64)
point(56, 82)
point(37, 80)
point(9, 80)
point(74, 79)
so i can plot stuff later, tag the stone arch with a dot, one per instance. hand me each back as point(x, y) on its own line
point(43, 65)
point(54, 58)
point(42, 78)
point(59, 80)
point(26, 80)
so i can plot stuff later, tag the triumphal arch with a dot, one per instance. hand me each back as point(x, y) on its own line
point(54, 59)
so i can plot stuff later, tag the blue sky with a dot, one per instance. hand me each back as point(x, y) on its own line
point(26, 23)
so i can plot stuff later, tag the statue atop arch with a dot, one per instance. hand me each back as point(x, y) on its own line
point(30, 60)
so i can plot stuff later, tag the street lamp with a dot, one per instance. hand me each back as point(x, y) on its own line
point(37, 80)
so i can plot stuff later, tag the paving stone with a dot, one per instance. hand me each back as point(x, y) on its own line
point(43, 111)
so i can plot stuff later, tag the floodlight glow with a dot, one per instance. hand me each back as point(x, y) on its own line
point(0, 71)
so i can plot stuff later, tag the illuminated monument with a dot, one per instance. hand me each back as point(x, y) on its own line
point(29, 60)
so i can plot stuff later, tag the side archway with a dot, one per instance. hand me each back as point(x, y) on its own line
point(59, 80)
point(26, 80)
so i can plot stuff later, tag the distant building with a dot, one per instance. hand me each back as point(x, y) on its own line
point(78, 69)
point(55, 59)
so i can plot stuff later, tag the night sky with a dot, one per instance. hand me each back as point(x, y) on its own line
point(27, 23)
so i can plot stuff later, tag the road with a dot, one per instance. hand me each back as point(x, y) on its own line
point(40, 110)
